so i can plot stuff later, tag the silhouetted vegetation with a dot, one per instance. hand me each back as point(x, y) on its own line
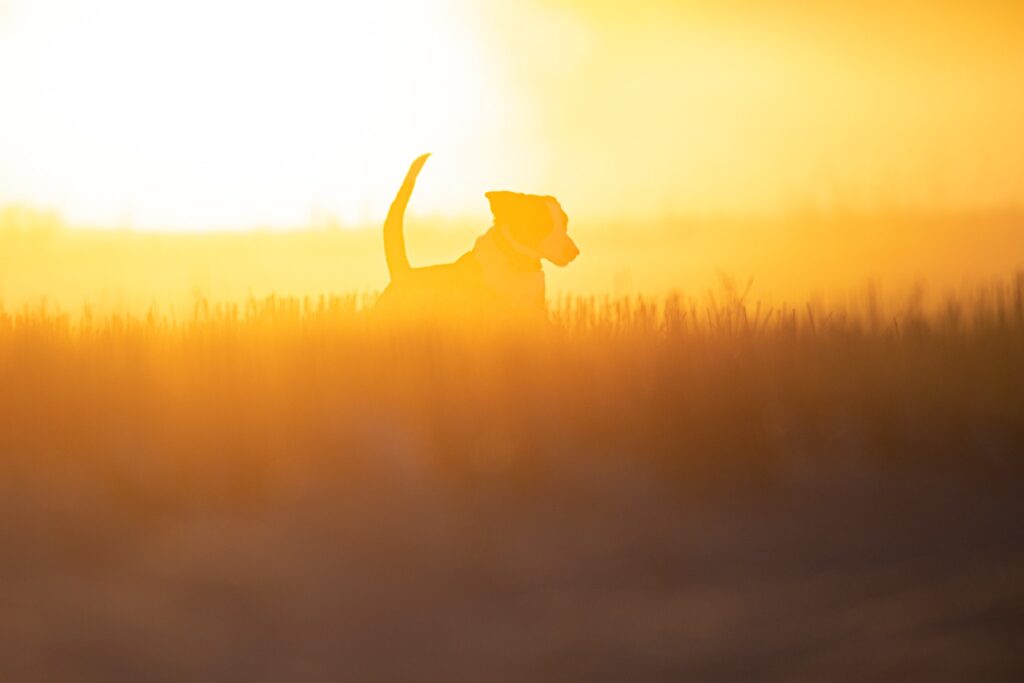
point(289, 490)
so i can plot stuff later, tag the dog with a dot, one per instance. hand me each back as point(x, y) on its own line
point(500, 278)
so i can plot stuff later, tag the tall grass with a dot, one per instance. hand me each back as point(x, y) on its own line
point(243, 397)
point(292, 489)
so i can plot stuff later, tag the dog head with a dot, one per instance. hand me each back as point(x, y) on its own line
point(536, 225)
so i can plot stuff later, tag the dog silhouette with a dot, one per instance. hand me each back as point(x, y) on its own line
point(500, 277)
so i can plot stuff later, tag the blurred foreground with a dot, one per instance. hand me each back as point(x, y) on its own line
point(648, 490)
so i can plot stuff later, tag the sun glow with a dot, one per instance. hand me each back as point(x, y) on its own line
point(231, 113)
point(201, 114)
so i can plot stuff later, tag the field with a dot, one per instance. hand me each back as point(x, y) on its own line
point(768, 425)
point(663, 488)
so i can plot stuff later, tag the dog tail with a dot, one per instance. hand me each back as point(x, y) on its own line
point(394, 239)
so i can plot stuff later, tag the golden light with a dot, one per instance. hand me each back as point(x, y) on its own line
point(224, 113)
point(232, 113)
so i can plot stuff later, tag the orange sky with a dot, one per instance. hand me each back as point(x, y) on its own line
point(669, 106)
point(229, 114)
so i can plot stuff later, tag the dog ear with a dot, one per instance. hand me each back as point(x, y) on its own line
point(503, 203)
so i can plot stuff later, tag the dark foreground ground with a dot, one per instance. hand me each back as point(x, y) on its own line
point(286, 493)
point(598, 576)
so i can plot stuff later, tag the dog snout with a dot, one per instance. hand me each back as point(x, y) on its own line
point(569, 252)
point(559, 249)
point(573, 250)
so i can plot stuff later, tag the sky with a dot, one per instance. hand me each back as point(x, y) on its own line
point(203, 114)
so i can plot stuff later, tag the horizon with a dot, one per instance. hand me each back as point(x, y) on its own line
point(804, 254)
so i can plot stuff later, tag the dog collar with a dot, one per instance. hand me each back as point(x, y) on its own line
point(519, 257)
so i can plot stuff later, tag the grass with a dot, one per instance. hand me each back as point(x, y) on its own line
point(701, 487)
point(680, 383)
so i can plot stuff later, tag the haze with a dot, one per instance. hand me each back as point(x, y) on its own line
point(224, 114)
